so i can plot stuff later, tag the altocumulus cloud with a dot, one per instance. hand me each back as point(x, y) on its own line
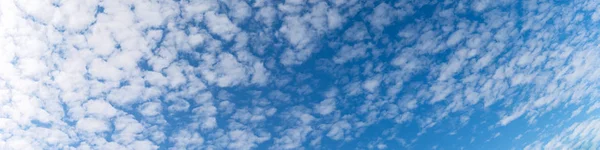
point(299, 74)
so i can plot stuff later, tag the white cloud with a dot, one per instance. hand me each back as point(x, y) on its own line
point(593, 107)
point(455, 37)
point(54, 137)
point(66, 61)
point(579, 135)
point(100, 109)
point(349, 53)
point(516, 114)
point(244, 140)
point(205, 115)
point(292, 138)
point(382, 16)
point(299, 35)
point(441, 91)
point(451, 68)
point(357, 32)
point(576, 111)
point(155, 78)
point(186, 140)
point(140, 145)
point(326, 106)
point(334, 19)
point(339, 130)
point(175, 75)
point(92, 125)
point(179, 105)
point(151, 109)
point(127, 129)
point(122, 96)
point(480, 5)
point(372, 84)
point(75, 15)
point(102, 70)
point(318, 17)
point(226, 72)
point(221, 25)
point(240, 10)
point(30, 67)
point(266, 15)
point(260, 75)
point(405, 117)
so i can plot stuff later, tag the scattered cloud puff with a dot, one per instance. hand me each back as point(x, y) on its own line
point(298, 74)
point(580, 135)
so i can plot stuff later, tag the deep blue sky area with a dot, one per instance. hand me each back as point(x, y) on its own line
point(299, 74)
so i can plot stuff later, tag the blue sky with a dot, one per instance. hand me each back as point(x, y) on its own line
point(299, 74)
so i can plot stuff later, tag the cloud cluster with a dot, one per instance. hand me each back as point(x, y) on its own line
point(294, 74)
point(580, 135)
